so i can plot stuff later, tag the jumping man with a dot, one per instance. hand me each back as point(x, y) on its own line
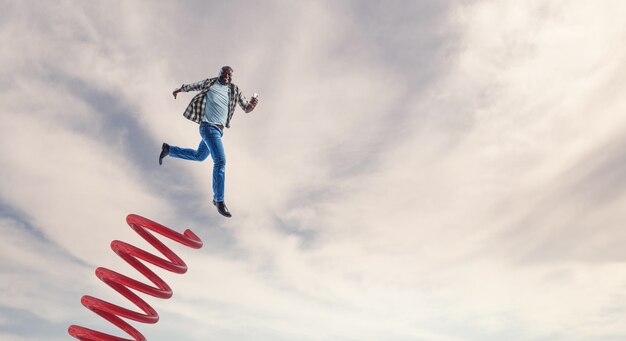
point(213, 109)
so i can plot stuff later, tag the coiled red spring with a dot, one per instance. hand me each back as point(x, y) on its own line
point(122, 284)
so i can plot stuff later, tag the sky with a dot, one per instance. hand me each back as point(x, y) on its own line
point(415, 170)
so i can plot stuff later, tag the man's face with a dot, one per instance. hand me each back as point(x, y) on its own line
point(226, 76)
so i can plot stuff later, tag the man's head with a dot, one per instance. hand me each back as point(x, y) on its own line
point(226, 75)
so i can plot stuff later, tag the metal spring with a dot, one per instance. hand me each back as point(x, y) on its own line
point(122, 284)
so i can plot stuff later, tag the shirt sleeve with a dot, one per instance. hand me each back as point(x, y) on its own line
point(242, 100)
point(201, 85)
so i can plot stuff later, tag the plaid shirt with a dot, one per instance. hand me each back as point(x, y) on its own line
point(195, 109)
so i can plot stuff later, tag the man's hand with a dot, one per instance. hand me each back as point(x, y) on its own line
point(252, 103)
point(175, 93)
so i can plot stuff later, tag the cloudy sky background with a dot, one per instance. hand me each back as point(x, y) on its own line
point(415, 170)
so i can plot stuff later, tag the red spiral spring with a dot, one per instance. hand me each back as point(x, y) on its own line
point(122, 284)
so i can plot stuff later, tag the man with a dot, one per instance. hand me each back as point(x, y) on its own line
point(213, 109)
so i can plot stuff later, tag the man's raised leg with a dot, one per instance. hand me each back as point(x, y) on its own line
point(199, 154)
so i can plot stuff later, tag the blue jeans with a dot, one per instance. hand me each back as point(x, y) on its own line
point(211, 144)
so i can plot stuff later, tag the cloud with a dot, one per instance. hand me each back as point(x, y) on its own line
point(38, 277)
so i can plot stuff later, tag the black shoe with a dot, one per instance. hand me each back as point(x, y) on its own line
point(222, 209)
point(165, 151)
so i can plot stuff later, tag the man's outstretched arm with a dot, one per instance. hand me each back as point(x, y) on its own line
point(201, 85)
